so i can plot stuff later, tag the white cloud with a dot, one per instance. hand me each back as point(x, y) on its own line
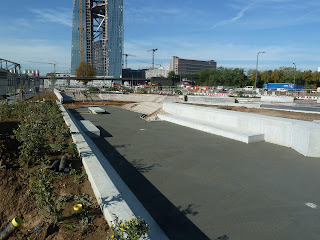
point(62, 16)
point(239, 15)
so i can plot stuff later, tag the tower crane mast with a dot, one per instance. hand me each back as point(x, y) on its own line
point(126, 59)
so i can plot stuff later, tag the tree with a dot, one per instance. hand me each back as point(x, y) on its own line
point(307, 77)
point(266, 76)
point(276, 76)
point(85, 69)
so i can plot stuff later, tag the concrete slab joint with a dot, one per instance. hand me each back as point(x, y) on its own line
point(113, 195)
point(302, 136)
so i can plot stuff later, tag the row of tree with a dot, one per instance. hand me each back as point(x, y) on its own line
point(238, 77)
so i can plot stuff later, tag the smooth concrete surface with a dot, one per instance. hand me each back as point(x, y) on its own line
point(302, 136)
point(96, 110)
point(90, 129)
point(318, 101)
point(232, 133)
point(112, 193)
point(201, 186)
point(280, 99)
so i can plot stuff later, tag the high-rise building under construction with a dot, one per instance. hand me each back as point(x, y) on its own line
point(97, 36)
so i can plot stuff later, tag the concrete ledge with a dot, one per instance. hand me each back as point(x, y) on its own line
point(96, 110)
point(228, 132)
point(282, 99)
point(111, 192)
point(90, 129)
point(302, 136)
point(58, 94)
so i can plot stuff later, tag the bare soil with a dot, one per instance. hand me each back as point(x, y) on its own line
point(14, 200)
point(273, 113)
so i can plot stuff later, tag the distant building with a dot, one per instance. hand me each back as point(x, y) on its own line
point(134, 74)
point(318, 69)
point(157, 72)
point(97, 36)
point(185, 66)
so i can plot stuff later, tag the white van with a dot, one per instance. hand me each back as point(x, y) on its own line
point(248, 88)
point(318, 89)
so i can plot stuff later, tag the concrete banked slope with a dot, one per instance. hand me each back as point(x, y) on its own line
point(302, 136)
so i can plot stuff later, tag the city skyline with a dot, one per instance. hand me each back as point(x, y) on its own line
point(230, 33)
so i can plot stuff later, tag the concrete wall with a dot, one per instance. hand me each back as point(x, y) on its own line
point(280, 99)
point(208, 99)
point(138, 97)
point(304, 137)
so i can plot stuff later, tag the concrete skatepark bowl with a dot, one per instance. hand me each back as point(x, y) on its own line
point(201, 186)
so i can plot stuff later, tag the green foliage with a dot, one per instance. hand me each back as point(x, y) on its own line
point(39, 123)
point(127, 90)
point(111, 89)
point(42, 191)
point(237, 77)
point(93, 89)
point(33, 146)
point(143, 90)
point(84, 218)
point(130, 229)
point(6, 111)
point(177, 91)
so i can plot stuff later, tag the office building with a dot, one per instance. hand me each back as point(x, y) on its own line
point(186, 66)
point(97, 36)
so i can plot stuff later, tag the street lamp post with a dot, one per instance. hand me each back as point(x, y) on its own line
point(294, 78)
point(255, 82)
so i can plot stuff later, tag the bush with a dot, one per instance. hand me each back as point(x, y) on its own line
point(130, 229)
point(93, 89)
point(143, 90)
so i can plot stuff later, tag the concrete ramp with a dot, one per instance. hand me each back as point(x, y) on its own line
point(224, 131)
point(96, 110)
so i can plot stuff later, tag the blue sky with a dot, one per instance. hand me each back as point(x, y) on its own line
point(231, 32)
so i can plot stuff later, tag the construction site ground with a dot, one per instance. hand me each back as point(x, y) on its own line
point(151, 108)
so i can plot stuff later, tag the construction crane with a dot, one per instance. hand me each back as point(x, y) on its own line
point(153, 51)
point(54, 65)
point(126, 58)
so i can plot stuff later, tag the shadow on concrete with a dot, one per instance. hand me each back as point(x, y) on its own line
point(104, 133)
point(143, 168)
point(171, 220)
point(224, 237)
point(188, 210)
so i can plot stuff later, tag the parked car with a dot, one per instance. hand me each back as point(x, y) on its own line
point(281, 89)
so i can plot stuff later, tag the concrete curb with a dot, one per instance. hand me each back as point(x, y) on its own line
point(58, 94)
point(112, 194)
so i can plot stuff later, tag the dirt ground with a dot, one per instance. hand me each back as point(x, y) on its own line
point(15, 200)
point(273, 113)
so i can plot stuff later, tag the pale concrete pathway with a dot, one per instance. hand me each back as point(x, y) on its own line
point(201, 186)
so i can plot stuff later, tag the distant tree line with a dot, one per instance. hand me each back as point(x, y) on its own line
point(238, 77)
